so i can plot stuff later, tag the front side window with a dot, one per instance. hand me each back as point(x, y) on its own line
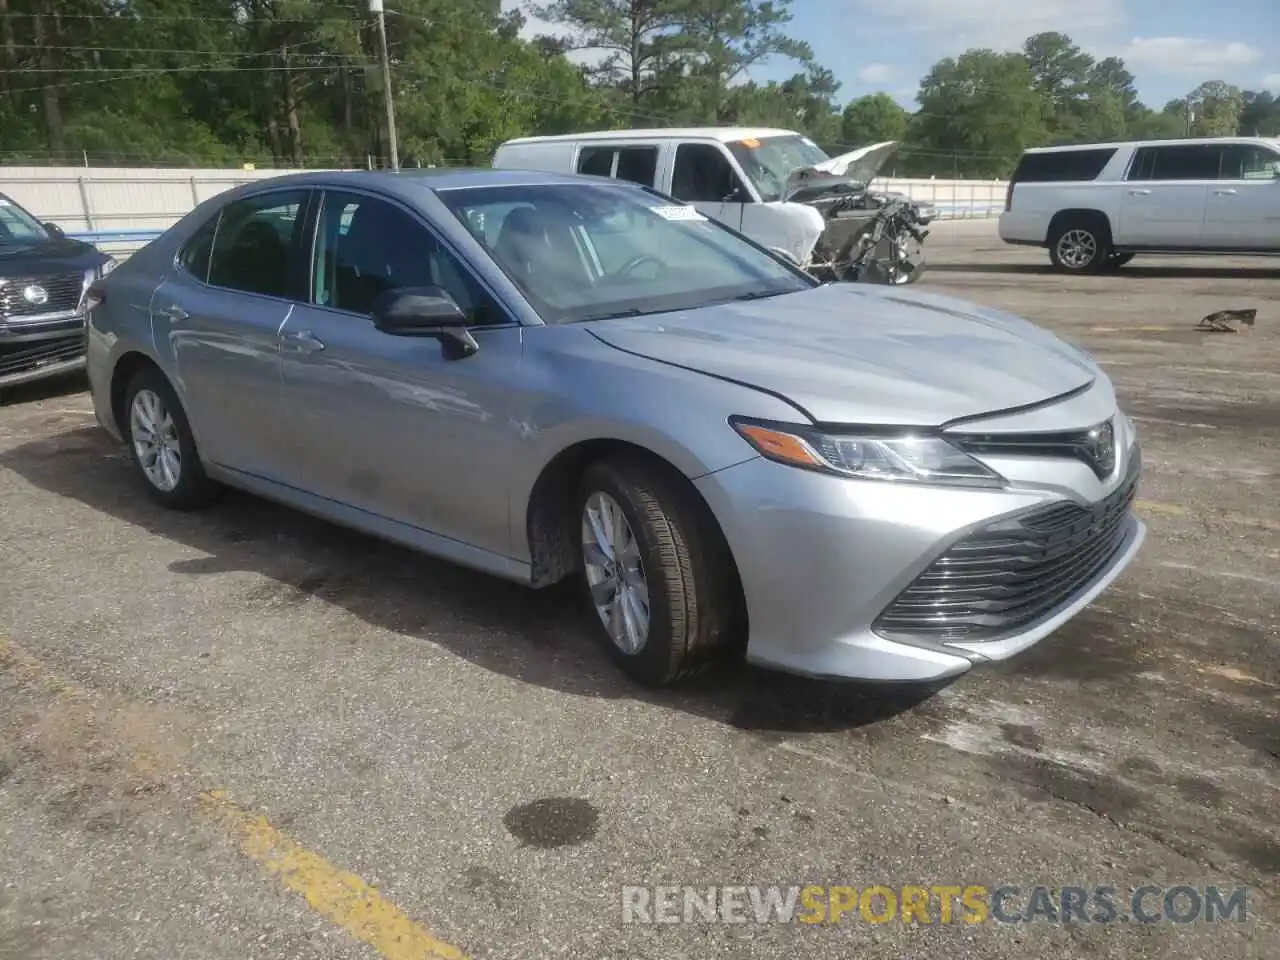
point(588, 251)
point(703, 173)
point(1246, 162)
point(769, 161)
point(253, 243)
point(1182, 162)
point(18, 226)
point(365, 247)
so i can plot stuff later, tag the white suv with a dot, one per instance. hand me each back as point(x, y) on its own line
point(1096, 205)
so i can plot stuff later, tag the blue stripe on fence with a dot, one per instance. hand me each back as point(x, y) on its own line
point(946, 211)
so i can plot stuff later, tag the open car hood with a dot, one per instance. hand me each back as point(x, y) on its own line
point(855, 169)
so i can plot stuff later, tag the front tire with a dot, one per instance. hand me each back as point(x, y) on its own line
point(1080, 245)
point(657, 574)
point(161, 444)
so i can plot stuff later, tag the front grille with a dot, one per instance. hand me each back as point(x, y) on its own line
point(21, 357)
point(1004, 577)
point(62, 295)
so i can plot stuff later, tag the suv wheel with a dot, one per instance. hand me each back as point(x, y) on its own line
point(658, 576)
point(1080, 245)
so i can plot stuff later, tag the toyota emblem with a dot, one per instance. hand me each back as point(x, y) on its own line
point(35, 295)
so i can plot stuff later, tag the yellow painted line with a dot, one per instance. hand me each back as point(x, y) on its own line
point(1137, 328)
point(1175, 510)
point(336, 894)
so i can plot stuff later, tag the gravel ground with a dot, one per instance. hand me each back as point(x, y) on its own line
point(245, 733)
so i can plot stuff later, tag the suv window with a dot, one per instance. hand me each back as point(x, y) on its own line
point(365, 247)
point(637, 164)
point(1063, 165)
point(702, 172)
point(253, 243)
point(1181, 162)
point(1242, 161)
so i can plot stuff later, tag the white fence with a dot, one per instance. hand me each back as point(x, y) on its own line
point(125, 207)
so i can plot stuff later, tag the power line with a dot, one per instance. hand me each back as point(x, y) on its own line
point(138, 74)
point(178, 51)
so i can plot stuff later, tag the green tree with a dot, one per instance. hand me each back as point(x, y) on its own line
point(1215, 108)
point(1260, 114)
point(983, 107)
point(872, 119)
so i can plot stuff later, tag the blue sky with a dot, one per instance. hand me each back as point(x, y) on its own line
point(890, 45)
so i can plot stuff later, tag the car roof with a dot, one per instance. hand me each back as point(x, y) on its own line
point(1180, 142)
point(722, 134)
point(431, 178)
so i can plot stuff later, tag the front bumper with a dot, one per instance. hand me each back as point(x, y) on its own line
point(822, 558)
point(30, 355)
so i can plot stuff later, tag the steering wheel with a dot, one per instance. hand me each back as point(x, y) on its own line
point(638, 261)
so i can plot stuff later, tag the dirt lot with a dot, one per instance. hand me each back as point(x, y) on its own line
point(245, 733)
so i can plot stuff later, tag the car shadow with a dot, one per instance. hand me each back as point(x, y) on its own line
point(62, 385)
point(542, 637)
point(1135, 271)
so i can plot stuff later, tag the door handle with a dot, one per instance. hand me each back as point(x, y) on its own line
point(1139, 193)
point(1224, 193)
point(175, 313)
point(304, 341)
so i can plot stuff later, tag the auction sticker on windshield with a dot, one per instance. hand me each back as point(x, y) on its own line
point(678, 213)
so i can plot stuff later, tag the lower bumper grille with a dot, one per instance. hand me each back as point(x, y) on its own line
point(23, 357)
point(1005, 577)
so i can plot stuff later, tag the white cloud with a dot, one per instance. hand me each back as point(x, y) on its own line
point(1186, 55)
point(1271, 82)
point(876, 73)
point(999, 24)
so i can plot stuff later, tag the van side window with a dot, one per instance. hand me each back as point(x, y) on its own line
point(702, 172)
point(637, 164)
point(1063, 165)
point(1246, 162)
point(1181, 162)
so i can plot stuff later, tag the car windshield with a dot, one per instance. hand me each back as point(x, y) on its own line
point(768, 161)
point(18, 226)
point(587, 251)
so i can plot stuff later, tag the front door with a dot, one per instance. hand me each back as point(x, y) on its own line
point(388, 424)
point(704, 175)
point(1243, 208)
point(219, 315)
point(1165, 194)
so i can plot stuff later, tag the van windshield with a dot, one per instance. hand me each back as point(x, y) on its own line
point(768, 161)
point(586, 251)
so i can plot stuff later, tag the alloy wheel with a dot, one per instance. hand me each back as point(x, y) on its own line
point(155, 440)
point(1077, 249)
point(615, 573)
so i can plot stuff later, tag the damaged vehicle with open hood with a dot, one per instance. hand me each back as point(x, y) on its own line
point(777, 187)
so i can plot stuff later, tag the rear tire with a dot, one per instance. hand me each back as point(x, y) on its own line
point(161, 444)
point(1080, 244)
point(651, 553)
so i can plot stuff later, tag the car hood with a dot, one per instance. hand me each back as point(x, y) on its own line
point(47, 256)
point(848, 353)
point(855, 169)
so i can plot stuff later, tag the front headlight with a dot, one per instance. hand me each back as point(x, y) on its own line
point(899, 456)
point(110, 264)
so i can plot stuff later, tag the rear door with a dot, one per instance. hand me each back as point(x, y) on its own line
point(1165, 194)
point(1243, 206)
point(220, 313)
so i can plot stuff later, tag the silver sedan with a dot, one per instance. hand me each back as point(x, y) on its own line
point(545, 377)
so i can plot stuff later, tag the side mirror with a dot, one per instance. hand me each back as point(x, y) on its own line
point(55, 231)
point(425, 312)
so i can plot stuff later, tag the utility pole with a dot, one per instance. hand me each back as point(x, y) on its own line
point(375, 7)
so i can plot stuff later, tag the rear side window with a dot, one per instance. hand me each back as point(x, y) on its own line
point(194, 258)
point(252, 251)
point(1063, 165)
point(636, 164)
point(1181, 162)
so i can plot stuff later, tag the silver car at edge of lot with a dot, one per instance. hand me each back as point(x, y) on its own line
point(543, 376)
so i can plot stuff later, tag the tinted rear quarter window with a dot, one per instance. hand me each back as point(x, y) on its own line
point(1063, 165)
point(636, 164)
point(1176, 162)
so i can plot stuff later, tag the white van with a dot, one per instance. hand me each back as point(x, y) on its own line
point(1096, 205)
point(744, 177)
